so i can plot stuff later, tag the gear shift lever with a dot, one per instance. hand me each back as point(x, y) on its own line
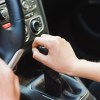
point(54, 84)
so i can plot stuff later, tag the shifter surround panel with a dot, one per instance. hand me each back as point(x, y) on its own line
point(79, 90)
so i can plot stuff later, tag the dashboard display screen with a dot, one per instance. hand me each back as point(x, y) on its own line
point(2, 1)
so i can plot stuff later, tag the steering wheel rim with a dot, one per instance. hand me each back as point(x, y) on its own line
point(12, 39)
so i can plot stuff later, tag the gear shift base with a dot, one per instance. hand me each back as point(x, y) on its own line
point(54, 86)
point(53, 83)
point(79, 90)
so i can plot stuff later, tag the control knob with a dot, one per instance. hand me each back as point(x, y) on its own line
point(25, 5)
point(35, 26)
point(4, 14)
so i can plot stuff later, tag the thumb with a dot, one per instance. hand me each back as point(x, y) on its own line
point(38, 56)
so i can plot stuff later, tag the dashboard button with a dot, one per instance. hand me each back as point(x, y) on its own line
point(6, 26)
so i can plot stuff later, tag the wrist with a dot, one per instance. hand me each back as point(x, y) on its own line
point(73, 67)
point(79, 68)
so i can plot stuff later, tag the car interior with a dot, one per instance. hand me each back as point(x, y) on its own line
point(75, 20)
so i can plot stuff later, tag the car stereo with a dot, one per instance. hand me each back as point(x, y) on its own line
point(35, 21)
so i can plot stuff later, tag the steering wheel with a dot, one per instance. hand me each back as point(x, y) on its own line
point(12, 39)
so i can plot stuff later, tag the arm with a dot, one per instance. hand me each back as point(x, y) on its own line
point(87, 69)
point(62, 58)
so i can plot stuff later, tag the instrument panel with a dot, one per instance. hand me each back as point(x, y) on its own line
point(35, 21)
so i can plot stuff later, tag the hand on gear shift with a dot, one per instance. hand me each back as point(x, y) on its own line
point(53, 85)
point(61, 56)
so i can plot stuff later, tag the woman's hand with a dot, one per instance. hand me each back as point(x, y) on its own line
point(9, 83)
point(61, 56)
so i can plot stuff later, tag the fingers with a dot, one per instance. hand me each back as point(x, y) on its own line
point(39, 56)
point(46, 40)
point(49, 42)
point(40, 42)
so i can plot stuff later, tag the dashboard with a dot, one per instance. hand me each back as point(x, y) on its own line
point(35, 21)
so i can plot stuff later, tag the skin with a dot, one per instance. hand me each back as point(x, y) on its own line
point(9, 83)
point(62, 58)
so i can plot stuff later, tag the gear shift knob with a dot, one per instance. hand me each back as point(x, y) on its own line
point(42, 50)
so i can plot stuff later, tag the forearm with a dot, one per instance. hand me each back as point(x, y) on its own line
point(63, 62)
point(87, 69)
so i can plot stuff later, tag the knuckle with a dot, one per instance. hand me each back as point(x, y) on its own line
point(53, 43)
point(58, 37)
point(64, 39)
point(68, 43)
point(36, 39)
point(43, 35)
point(57, 41)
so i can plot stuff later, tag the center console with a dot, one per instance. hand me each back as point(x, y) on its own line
point(71, 88)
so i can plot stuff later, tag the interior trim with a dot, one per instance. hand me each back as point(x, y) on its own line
point(15, 58)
